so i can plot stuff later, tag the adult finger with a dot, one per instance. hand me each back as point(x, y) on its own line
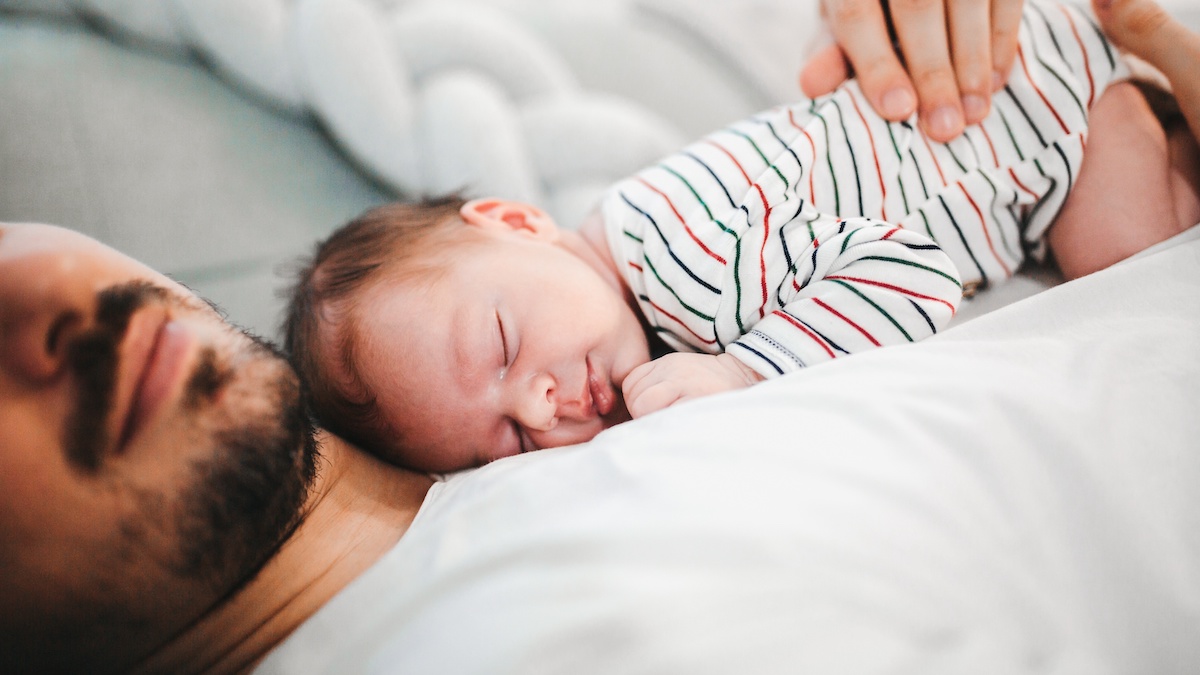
point(1139, 26)
point(860, 28)
point(1006, 25)
point(921, 30)
point(967, 21)
point(824, 71)
point(1148, 32)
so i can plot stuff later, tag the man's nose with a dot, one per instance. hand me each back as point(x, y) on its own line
point(39, 317)
point(536, 404)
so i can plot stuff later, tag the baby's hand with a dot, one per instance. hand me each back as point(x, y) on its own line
point(681, 376)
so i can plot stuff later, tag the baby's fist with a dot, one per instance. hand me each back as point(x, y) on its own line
point(681, 376)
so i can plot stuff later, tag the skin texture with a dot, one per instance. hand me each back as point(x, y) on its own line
point(944, 71)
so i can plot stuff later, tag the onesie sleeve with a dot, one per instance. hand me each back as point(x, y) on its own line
point(851, 284)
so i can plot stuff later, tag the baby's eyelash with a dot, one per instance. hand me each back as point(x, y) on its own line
point(503, 339)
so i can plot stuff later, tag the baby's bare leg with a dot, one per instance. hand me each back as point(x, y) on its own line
point(1123, 200)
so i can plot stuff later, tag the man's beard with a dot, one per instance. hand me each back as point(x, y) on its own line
point(245, 498)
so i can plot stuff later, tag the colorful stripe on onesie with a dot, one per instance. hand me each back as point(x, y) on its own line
point(819, 229)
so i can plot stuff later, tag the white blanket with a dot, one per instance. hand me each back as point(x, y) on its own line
point(1016, 495)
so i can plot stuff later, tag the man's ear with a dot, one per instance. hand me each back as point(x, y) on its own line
point(505, 215)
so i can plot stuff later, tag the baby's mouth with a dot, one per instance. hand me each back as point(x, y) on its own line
point(602, 394)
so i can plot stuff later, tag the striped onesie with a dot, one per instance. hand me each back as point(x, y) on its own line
point(808, 231)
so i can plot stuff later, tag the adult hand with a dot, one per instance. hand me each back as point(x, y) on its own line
point(1139, 26)
point(956, 54)
point(678, 377)
point(1147, 31)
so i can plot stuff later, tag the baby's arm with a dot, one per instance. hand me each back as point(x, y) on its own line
point(859, 284)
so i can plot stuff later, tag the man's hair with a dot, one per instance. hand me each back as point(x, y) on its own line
point(397, 242)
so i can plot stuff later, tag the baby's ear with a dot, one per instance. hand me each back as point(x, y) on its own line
point(519, 217)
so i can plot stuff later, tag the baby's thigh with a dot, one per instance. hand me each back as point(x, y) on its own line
point(1121, 202)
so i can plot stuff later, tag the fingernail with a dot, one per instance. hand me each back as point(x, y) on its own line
point(898, 103)
point(945, 121)
point(997, 80)
point(974, 107)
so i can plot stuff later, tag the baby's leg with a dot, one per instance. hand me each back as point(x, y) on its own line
point(1136, 186)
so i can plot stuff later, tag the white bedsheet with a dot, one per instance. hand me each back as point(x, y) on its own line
point(1018, 494)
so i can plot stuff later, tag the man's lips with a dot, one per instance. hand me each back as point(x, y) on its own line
point(153, 360)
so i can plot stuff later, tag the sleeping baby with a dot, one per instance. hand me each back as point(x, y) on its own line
point(448, 333)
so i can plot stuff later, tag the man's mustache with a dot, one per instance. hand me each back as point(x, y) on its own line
point(93, 359)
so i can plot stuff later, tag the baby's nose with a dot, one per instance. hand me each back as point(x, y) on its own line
point(537, 405)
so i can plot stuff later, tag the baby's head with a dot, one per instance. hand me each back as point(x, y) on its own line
point(446, 334)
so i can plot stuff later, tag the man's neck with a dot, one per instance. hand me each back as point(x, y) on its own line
point(359, 509)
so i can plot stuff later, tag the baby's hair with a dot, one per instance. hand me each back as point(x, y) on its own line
point(393, 241)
